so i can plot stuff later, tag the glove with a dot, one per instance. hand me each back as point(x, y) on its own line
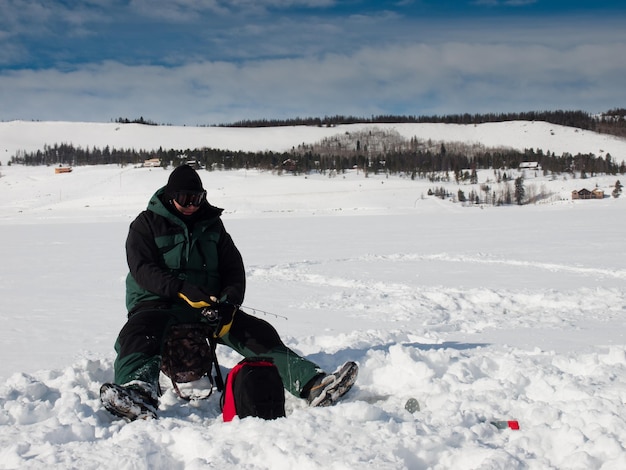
point(196, 296)
point(224, 312)
point(219, 314)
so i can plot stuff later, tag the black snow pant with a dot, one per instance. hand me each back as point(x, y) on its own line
point(141, 340)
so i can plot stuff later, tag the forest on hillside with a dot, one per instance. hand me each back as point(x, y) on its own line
point(373, 150)
point(609, 122)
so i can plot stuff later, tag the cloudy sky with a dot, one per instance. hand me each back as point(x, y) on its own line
point(216, 61)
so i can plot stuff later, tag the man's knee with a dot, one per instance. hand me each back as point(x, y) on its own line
point(143, 333)
point(254, 333)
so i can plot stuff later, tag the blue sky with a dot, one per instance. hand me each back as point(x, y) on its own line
point(212, 61)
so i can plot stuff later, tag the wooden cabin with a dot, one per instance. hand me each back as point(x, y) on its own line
point(586, 194)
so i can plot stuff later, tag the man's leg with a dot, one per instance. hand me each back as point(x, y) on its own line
point(134, 393)
point(138, 347)
point(251, 336)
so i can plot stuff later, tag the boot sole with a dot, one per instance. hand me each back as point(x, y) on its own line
point(119, 402)
point(346, 377)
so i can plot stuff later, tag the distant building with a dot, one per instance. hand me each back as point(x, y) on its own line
point(529, 166)
point(152, 163)
point(586, 194)
point(289, 165)
point(195, 164)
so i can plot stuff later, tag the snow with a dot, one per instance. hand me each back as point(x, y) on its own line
point(480, 313)
point(32, 136)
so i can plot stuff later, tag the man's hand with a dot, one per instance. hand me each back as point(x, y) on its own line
point(225, 316)
point(196, 296)
point(220, 314)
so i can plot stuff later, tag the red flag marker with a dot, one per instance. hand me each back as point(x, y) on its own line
point(513, 424)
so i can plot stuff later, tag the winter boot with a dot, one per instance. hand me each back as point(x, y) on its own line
point(134, 400)
point(326, 390)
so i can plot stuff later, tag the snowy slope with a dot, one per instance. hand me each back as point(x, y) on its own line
point(32, 136)
point(478, 312)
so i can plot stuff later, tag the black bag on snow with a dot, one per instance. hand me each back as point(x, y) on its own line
point(189, 354)
point(253, 388)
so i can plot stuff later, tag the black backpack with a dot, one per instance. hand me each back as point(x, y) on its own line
point(188, 355)
point(254, 388)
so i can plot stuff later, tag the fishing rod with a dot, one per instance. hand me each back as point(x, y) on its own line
point(256, 311)
point(211, 313)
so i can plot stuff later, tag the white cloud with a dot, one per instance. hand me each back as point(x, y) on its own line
point(377, 64)
point(417, 79)
point(188, 10)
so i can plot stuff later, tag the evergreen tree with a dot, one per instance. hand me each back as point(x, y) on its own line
point(508, 199)
point(519, 190)
point(474, 176)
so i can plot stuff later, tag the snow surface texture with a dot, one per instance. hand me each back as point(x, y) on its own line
point(481, 313)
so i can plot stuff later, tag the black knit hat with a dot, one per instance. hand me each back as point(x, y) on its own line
point(184, 178)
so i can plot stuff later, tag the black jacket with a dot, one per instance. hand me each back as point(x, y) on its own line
point(163, 251)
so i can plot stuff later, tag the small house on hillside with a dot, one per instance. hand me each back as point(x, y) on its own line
point(289, 165)
point(529, 166)
point(586, 194)
point(195, 164)
point(152, 163)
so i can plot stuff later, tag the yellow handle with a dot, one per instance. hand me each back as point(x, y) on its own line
point(225, 328)
point(197, 304)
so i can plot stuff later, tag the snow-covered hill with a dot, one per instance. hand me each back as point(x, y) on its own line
point(32, 136)
point(481, 313)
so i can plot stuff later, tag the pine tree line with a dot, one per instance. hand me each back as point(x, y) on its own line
point(419, 160)
point(610, 122)
point(373, 150)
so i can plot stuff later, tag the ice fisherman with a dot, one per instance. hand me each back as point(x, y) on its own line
point(181, 260)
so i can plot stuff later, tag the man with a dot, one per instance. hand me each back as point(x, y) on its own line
point(182, 260)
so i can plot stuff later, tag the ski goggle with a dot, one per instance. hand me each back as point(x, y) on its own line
point(186, 199)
